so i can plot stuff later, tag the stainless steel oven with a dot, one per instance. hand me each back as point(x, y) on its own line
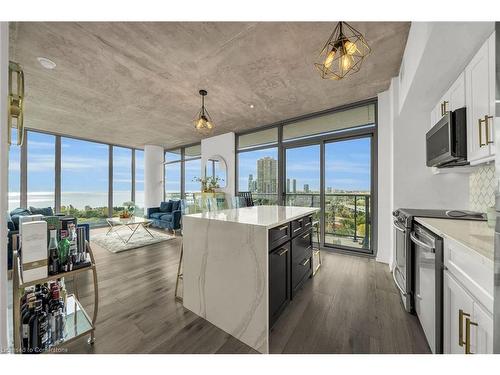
point(402, 271)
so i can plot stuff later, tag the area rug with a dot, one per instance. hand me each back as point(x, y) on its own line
point(114, 244)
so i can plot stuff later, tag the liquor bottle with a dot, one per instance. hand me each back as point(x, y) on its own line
point(63, 252)
point(43, 325)
point(33, 327)
point(53, 254)
point(73, 247)
point(28, 312)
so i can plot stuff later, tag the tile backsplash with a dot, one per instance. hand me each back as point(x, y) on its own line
point(482, 186)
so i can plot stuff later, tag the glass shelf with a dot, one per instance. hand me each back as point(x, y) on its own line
point(77, 322)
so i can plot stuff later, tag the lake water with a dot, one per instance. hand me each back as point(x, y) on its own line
point(77, 199)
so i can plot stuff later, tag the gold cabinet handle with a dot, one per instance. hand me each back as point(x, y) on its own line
point(283, 251)
point(461, 315)
point(305, 262)
point(479, 122)
point(487, 127)
point(468, 323)
point(444, 108)
point(16, 102)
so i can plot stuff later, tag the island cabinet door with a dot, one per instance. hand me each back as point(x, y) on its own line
point(279, 281)
point(301, 260)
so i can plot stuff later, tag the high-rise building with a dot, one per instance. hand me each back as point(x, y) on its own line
point(250, 182)
point(267, 171)
point(329, 190)
point(288, 185)
point(306, 188)
point(294, 185)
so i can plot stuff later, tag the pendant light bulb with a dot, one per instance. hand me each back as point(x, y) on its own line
point(350, 47)
point(345, 62)
point(329, 59)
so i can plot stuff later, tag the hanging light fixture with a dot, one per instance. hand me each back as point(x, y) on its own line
point(203, 122)
point(343, 53)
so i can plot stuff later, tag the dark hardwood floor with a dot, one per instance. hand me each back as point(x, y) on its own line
point(350, 306)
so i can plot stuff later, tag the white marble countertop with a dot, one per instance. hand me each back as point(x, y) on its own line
point(267, 216)
point(475, 235)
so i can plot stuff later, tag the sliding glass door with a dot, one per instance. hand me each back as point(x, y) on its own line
point(335, 175)
point(303, 178)
point(347, 187)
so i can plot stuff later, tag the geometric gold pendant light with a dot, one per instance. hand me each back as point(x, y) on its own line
point(343, 53)
point(203, 122)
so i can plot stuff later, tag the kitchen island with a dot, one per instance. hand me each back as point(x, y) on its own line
point(242, 266)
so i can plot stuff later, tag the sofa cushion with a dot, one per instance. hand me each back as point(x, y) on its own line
point(14, 215)
point(157, 215)
point(166, 217)
point(176, 205)
point(45, 211)
point(166, 206)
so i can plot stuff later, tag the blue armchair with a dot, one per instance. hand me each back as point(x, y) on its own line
point(167, 216)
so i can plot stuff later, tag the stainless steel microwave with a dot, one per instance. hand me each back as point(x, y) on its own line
point(446, 142)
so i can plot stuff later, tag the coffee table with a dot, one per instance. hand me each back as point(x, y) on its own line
point(133, 223)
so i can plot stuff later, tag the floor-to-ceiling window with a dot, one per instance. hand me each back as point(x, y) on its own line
point(182, 169)
point(323, 160)
point(122, 178)
point(192, 171)
point(348, 193)
point(173, 174)
point(14, 175)
point(257, 165)
point(40, 169)
point(84, 180)
point(139, 183)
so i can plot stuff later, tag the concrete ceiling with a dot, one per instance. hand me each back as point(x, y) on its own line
point(137, 83)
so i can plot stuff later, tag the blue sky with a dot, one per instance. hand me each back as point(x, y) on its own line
point(347, 165)
point(84, 166)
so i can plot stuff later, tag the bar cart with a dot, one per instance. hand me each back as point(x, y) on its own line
point(77, 322)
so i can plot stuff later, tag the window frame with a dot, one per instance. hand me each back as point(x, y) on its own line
point(183, 159)
point(57, 168)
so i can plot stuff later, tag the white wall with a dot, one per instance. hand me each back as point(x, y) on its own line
point(385, 188)
point(434, 56)
point(153, 175)
point(222, 145)
point(4, 63)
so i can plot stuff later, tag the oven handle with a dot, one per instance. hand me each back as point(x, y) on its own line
point(396, 282)
point(415, 240)
point(398, 227)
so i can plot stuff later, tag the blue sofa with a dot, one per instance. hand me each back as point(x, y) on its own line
point(13, 226)
point(167, 216)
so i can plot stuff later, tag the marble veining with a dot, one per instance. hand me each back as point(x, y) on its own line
point(266, 216)
point(225, 277)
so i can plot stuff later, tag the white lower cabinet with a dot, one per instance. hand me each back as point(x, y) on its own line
point(461, 313)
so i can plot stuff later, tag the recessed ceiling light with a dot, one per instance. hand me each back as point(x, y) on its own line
point(46, 63)
point(252, 106)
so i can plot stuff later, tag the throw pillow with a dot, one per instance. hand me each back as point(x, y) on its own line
point(166, 206)
point(176, 205)
point(45, 211)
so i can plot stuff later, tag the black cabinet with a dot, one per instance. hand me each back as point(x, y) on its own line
point(279, 281)
point(301, 259)
point(290, 262)
point(279, 235)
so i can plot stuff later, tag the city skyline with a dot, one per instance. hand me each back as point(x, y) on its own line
point(347, 168)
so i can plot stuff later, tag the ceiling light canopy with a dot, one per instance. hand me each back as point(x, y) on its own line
point(203, 122)
point(46, 63)
point(343, 53)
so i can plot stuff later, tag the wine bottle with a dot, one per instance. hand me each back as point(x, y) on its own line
point(53, 254)
point(63, 252)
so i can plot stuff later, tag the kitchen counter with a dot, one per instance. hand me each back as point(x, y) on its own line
point(265, 216)
point(475, 235)
point(226, 267)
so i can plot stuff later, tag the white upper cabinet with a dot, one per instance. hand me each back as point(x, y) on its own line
point(453, 99)
point(480, 99)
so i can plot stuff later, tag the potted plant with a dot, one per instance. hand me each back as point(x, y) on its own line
point(208, 184)
point(128, 211)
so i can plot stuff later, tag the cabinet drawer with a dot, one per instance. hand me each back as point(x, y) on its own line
point(301, 225)
point(279, 235)
point(474, 271)
point(301, 260)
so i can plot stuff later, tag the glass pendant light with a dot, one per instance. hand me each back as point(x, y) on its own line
point(343, 53)
point(203, 122)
